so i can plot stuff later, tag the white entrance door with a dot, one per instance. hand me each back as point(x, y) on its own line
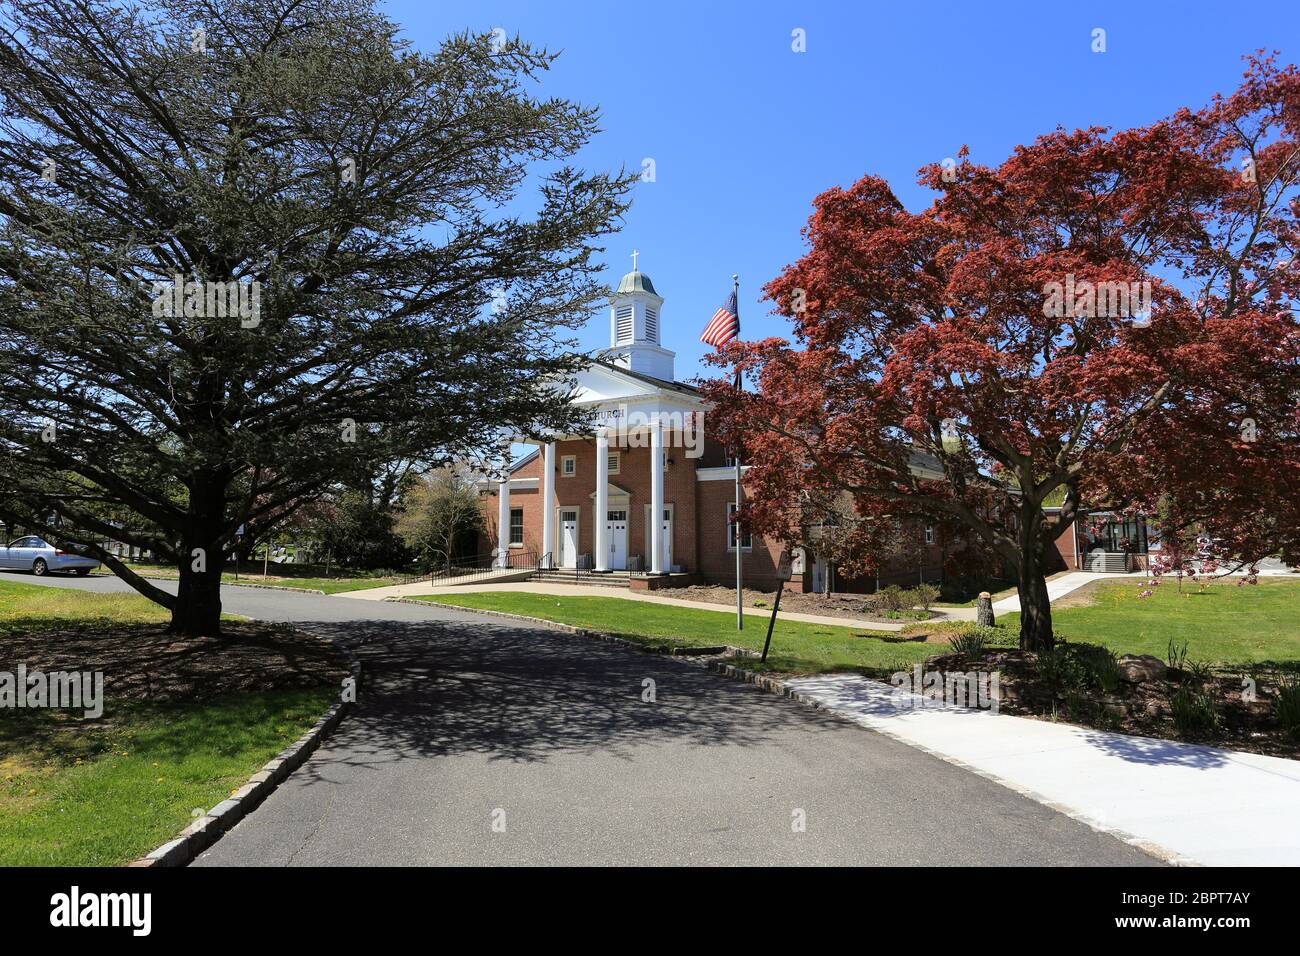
point(568, 539)
point(616, 534)
point(819, 575)
point(667, 537)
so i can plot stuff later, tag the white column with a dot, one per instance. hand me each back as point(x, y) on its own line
point(548, 504)
point(656, 498)
point(602, 500)
point(503, 512)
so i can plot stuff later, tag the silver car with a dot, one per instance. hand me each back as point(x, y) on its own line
point(33, 554)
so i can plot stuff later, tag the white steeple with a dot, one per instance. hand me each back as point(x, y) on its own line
point(634, 319)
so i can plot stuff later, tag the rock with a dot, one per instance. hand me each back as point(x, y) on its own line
point(984, 609)
point(1114, 706)
point(1138, 668)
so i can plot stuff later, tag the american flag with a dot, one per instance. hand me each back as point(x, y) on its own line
point(725, 324)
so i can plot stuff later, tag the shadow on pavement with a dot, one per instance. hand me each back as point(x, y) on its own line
point(440, 688)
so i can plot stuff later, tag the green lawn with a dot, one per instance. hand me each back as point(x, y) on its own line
point(995, 595)
point(79, 792)
point(101, 793)
point(36, 607)
point(1256, 624)
point(797, 647)
point(31, 607)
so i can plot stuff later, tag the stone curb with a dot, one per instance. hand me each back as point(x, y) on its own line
point(270, 587)
point(227, 584)
point(207, 829)
point(776, 686)
point(240, 584)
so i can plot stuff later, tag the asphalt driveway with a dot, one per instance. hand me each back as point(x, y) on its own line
point(477, 741)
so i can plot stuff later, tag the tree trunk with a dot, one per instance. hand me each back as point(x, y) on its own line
point(1035, 606)
point(198, 603)
point(198, 595)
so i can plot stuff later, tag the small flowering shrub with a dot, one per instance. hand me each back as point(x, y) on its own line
point(1198, 558)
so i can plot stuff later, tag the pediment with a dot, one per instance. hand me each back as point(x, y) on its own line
point(600, 383)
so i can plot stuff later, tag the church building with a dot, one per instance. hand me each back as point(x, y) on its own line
point(646, 498)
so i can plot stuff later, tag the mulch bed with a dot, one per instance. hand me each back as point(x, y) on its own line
point(144, 662)
point(1140, 707)
point(828, 605)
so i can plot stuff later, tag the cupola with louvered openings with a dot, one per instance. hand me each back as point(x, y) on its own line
point(634, 328)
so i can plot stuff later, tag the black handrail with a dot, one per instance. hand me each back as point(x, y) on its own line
point(482, 566)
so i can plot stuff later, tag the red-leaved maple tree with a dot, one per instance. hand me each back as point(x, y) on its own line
point(1103, 321)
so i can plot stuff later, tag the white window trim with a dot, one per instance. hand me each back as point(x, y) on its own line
point(564, 461)
point(511, 529)
point(929, 534)
point(615, 462)
point(731, 506)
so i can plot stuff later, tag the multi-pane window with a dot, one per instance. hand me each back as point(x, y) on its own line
point(929, 534)
point(746, 541)
point(568, 466)
point(1119, 535)
point(517, 526)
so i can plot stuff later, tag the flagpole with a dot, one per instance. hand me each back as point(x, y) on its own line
point(740, 593)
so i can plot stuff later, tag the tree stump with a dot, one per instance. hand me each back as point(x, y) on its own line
point(984, 609)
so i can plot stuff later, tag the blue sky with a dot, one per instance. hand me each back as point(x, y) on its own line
point(744, 131)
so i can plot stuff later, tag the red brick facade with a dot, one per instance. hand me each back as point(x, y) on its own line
point(699, 509)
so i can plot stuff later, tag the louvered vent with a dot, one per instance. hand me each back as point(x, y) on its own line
point(651, 325)
point(623, 320)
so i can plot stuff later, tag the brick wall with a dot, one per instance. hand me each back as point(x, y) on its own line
point(700, 520)
point(576, 492)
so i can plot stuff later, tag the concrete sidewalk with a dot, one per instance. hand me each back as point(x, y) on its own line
point(1190, 804)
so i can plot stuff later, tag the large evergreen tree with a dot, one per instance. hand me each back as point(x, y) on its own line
point(401, 298)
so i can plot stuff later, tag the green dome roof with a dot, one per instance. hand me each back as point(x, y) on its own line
point(635, 282)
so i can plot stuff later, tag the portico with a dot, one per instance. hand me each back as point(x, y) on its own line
point(609, 495)
point(599, 493)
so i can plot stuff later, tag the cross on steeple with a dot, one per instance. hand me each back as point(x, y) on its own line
point(634, 255)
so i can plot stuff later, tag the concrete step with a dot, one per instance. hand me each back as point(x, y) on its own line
point(614, 579)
